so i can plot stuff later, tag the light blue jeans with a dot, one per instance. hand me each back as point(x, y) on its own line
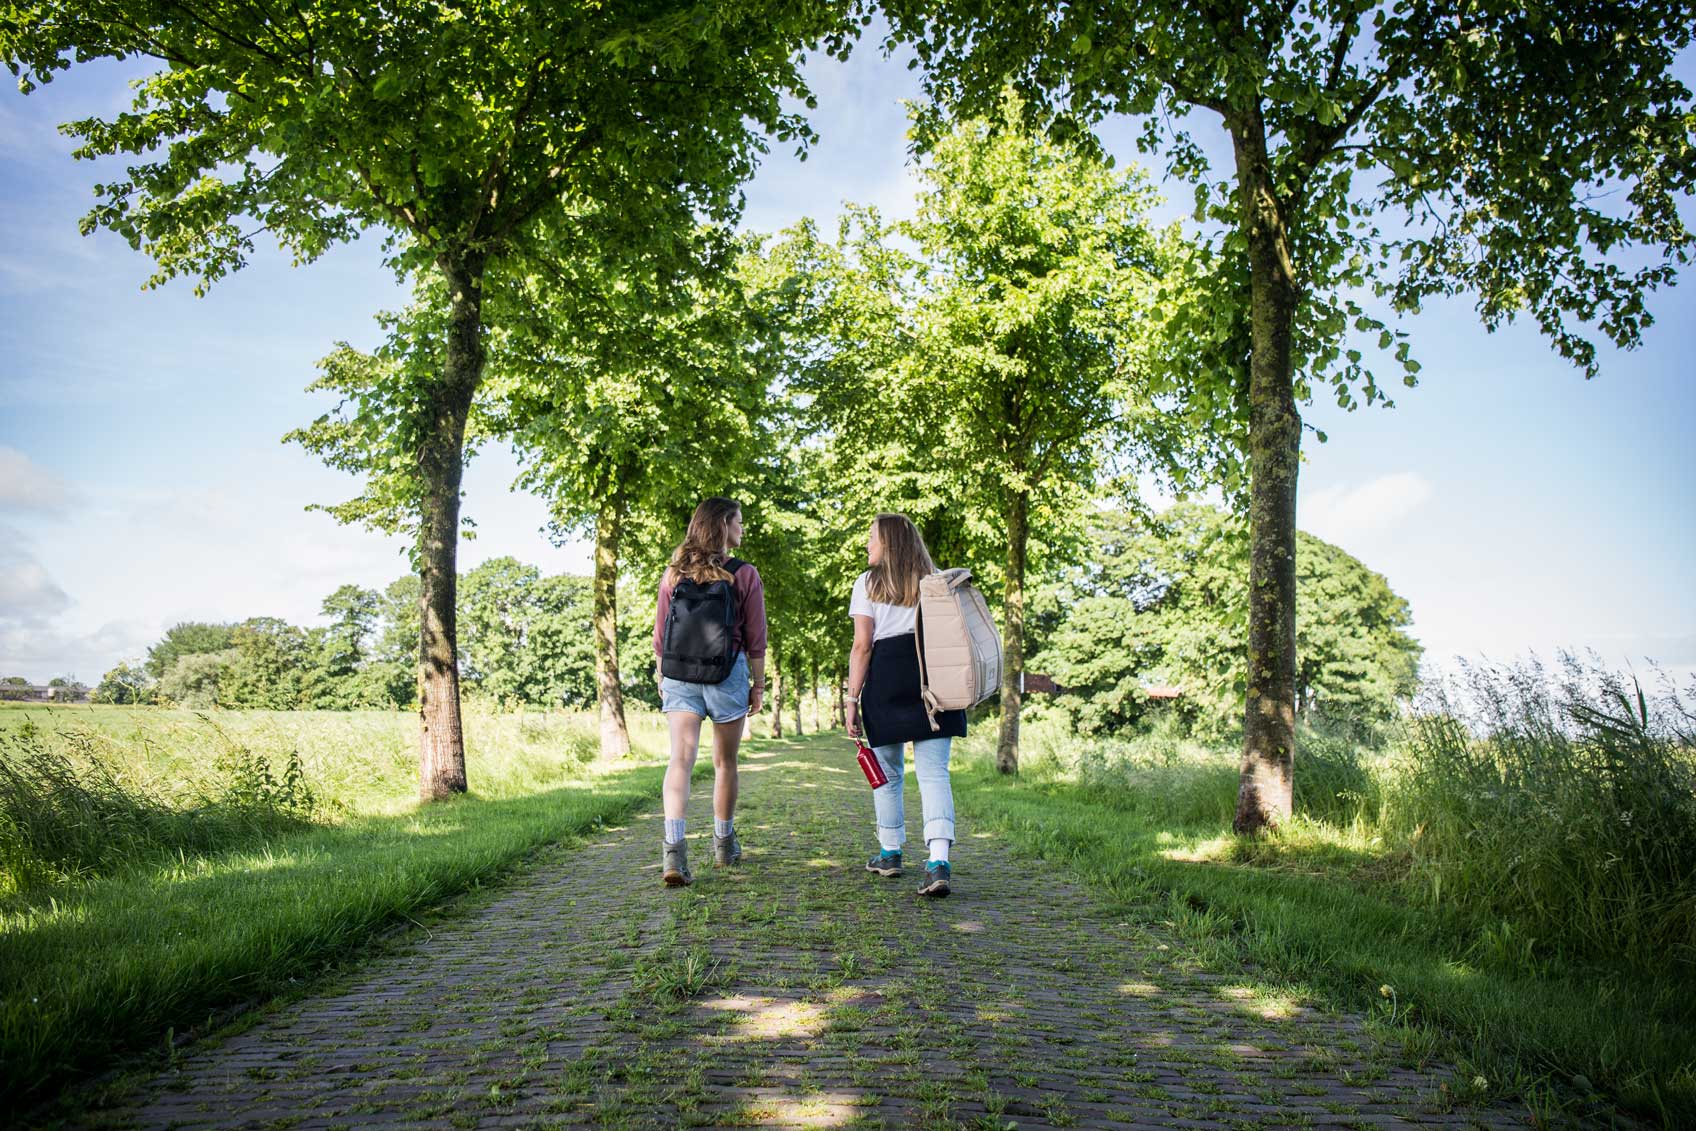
point(930, 766)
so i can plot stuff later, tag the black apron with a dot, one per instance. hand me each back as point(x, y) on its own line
point(890, 708)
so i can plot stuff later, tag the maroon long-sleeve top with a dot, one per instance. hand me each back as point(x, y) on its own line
point(750, 633)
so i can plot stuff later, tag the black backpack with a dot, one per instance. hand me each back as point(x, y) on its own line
point(700, 626)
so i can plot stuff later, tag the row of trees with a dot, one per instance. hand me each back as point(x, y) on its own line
point(564, 156)
point(524, 640)
point(1149, 601)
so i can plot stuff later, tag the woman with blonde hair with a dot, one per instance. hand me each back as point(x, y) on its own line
point(710, 644)
point(884, 701)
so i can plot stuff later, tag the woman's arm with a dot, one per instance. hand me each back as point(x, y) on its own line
point(660, 609)
point(859, 659)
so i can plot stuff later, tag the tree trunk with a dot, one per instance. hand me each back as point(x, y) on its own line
point(776, 695)
point(1265, 795)
point(441, 463)
point(1013, 633)
point(839, 712)
point(800, 694)
point(609, 523)
point(818, 701)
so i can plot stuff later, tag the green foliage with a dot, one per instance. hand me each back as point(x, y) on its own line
point(525, 638)
point(1006, 356)
point(308, 123)
point(186, 639)
point(1164, 600)
point(125, 685)
point(193, 680)
point(1532, 158)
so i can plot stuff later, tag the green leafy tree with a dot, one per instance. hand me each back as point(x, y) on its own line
point(629, 387)
point(268, 668)
point(353, 612)
point(1533, 156)
point(125, 685)
point(1011, 375)
point(186, 639)
point(194, 678)
point(527, 637)
point(452, 128)
point(1164, 601)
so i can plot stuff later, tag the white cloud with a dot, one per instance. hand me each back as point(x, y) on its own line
point(1343, 514)
point(28, 596)
point(27, 486)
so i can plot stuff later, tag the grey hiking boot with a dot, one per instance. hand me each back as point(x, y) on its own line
point(727, 850)
point(885, 863)
point(936, 879)
point(677, 866)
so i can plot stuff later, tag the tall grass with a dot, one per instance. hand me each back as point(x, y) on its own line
point(67, 811)
point(1563, 807)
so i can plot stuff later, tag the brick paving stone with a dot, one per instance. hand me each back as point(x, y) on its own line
point(795, 991)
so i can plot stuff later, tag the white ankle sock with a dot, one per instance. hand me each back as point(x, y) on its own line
point(722, 829)
point(939, 849)
point(674, 830)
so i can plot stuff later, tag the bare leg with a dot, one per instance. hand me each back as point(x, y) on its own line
point(685, 743)
point(727, 739)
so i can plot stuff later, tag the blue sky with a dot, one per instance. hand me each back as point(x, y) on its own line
point(143, 481)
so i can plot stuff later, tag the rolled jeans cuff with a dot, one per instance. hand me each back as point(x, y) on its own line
point(891, 837)
point(939, 829)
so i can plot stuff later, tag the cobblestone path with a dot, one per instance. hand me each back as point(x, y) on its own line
point(795, 991)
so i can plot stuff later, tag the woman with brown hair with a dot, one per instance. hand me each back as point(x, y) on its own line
point(710, 643)
point(884, 702)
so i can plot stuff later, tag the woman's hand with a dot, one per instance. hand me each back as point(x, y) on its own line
point(756, 695)
point(853, 719)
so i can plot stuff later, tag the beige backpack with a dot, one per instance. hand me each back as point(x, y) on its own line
point(960, 658)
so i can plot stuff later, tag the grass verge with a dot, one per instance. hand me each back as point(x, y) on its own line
point(116, 964)
point(1560, 1038)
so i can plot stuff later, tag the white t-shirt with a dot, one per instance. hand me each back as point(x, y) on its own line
point(887, 620)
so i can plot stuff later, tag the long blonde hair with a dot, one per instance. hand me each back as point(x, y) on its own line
point(701, 555)
point(895, 578)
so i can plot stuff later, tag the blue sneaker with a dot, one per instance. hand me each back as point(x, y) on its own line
point(936, 879)
point(885, 863)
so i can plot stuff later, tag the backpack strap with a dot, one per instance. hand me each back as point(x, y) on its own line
point(925, 694)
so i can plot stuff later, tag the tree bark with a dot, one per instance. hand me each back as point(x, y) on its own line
point(441, 463)
point(800, 694)
point(1264, 796)
point(818, 700)
point(609, 524)
point(839, 710)
point(776, 694)
point(1013, 633)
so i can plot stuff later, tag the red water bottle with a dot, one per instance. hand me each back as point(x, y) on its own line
point(871, 766)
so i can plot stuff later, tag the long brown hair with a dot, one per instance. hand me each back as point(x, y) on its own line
point(895, 578)
point(701, 555)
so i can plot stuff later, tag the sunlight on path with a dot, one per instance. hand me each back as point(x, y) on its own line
point(795, 991)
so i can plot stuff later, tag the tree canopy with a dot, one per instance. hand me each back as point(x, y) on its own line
point(1529, 156)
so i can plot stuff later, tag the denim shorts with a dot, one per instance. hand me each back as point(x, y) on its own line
point(721, 702)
